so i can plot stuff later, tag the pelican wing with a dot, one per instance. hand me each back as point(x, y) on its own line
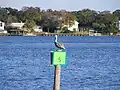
point(60, 45)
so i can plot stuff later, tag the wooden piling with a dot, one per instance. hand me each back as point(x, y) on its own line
point(57, 77)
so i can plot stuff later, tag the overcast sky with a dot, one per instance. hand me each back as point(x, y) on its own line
point(98, 5)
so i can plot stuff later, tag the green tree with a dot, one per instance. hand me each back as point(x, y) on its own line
point(107, 22)
point(55, 19)
point(29, 25)
point(3, 14)
point(65, 30)
point(117, 13)
point(31, 13)
point(11, 19)
point(86, 18)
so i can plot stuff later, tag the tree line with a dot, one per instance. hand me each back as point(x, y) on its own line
point(105, 22)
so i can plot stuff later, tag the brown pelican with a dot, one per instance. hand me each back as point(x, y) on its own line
point(58, 44)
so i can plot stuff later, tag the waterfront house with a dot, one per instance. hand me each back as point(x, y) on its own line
point(16, 29)
point(74, 27)
point(94, 33)
point(119, 26)
point(17, 25)
point(38, 29)
point(2, 27)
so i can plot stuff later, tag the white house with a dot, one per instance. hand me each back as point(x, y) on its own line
point(2, 27)
point(94, 33)
point(74, 27)
point(119, 25)
point(38, 29)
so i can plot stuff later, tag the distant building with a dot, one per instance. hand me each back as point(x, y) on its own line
point(38, 29)
point(119, 26)
point(16, 29)
point(94, 33)
point(74, 27)
point(17, 25)
point(2, 27)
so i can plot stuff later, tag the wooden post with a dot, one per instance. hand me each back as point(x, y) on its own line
point(57, 77)
point(58, 58)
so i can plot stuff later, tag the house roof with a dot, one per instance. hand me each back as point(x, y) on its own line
point(18, 25)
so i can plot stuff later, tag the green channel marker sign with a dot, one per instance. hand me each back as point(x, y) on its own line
point(58, 58)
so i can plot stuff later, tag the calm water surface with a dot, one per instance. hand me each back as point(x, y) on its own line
point(93, 63)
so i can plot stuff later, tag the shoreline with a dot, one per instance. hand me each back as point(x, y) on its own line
point(53, 34)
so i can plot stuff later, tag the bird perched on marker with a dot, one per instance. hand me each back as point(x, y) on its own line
point(58, 44)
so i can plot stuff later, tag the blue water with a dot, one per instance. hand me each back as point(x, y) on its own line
point(93, 63)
